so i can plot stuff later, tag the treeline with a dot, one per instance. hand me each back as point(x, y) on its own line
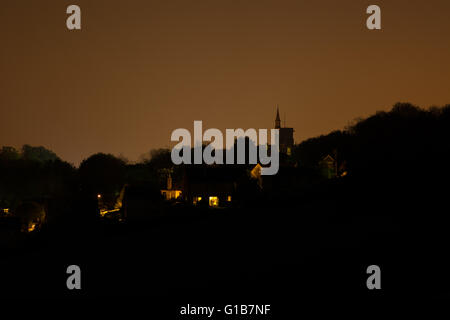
point(395, 162)
point(406, 141)
point(33, 172)
point(404, 147)
point(36, 172)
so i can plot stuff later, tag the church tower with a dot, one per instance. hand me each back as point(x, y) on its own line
point(277, 120)
point(286, 136)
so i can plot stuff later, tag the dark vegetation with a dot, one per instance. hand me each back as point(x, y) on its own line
point(392, 205)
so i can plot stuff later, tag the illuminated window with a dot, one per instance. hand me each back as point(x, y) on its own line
point(213, 201)
point(197, 199)
point(31, 227)
point(229, 198)
point(171, 194)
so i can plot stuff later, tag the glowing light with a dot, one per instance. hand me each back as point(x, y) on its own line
point(256, 171)
point(104, 212)
point(31, 227)
point(213, 201)
point(197, 199)
point(289, 151)
point(171, 194)
point(229, 198)
point(99, 196)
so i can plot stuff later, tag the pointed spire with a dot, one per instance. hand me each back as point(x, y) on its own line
point(277, 119)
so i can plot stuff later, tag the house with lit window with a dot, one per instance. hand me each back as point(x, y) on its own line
point(209, 185)
point(172, 191)
point(328, 167)
point(215, 185)
point(331, 169)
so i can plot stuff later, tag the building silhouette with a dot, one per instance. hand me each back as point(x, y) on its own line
point(216, 185)
point(286, 136)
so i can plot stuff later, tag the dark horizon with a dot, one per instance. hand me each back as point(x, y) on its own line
point(138, 70)
point(147, 156)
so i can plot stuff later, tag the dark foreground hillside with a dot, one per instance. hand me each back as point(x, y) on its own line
point(309, 251)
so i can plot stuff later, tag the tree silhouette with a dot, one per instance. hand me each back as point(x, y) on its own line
point(40, 154)
point(102, 174)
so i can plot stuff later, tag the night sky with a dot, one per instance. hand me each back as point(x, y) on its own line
point(140, 69)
